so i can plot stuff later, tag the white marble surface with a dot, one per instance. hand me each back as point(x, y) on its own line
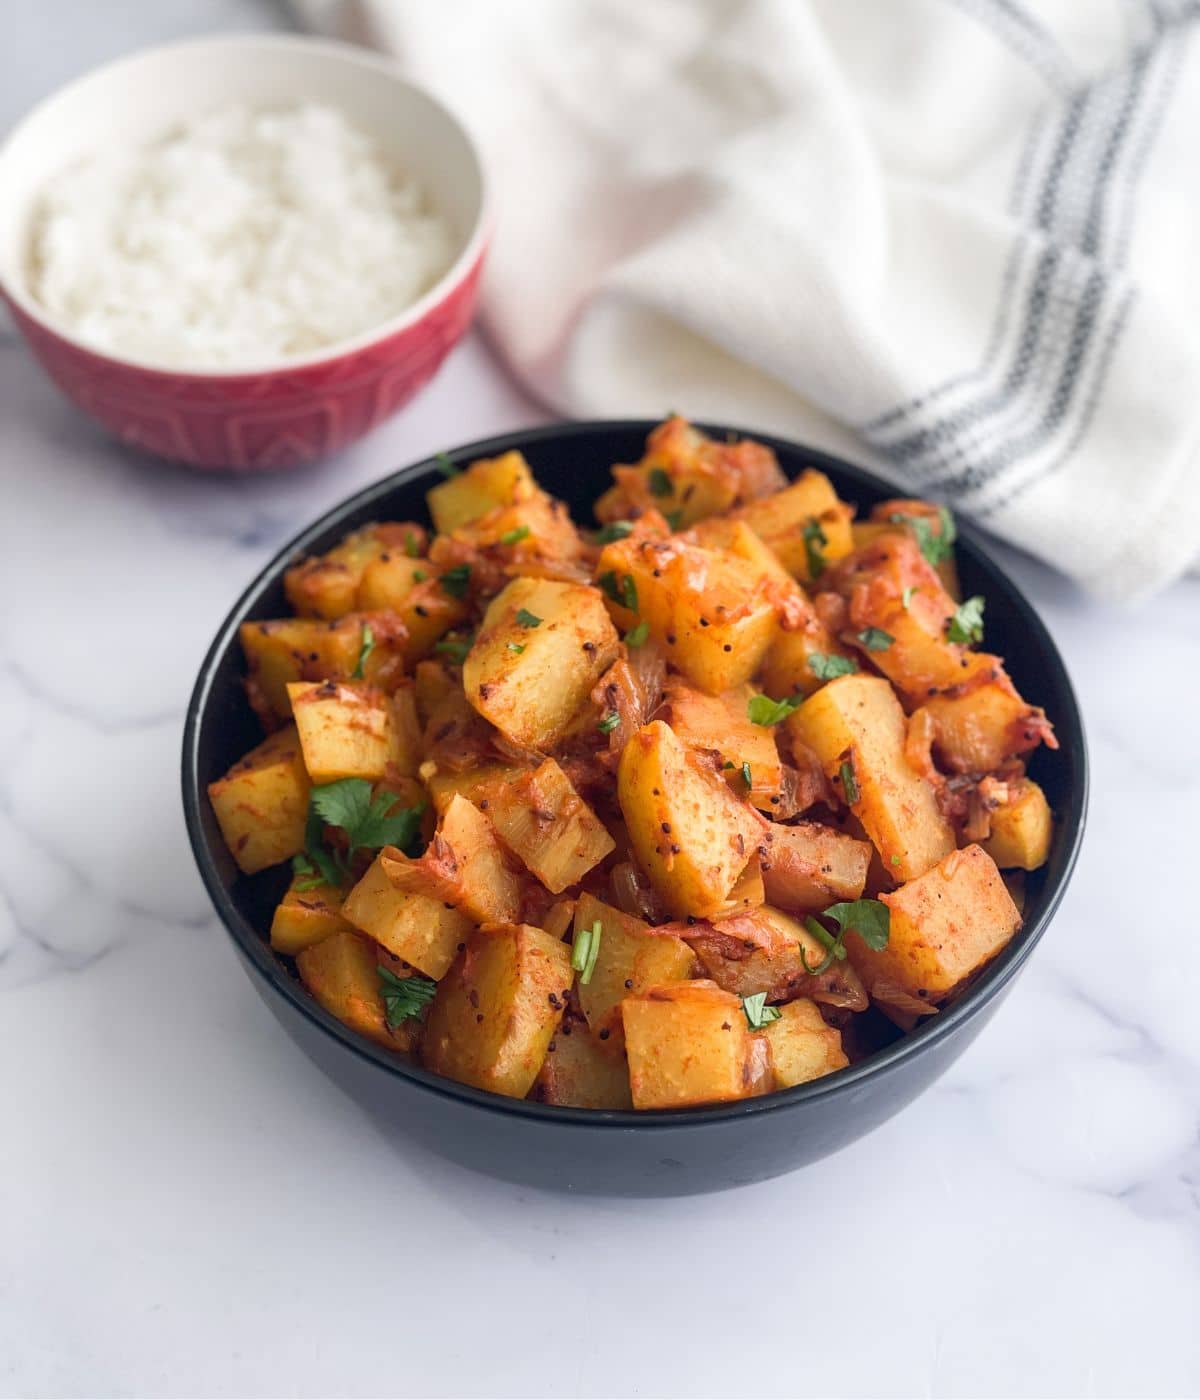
point(188, 1208)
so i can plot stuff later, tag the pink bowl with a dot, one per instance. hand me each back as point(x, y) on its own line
point(287, 412)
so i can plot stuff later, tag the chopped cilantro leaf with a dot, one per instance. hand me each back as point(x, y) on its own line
point(527, 619)
point(404, 997)
point(829, 667)
point(966, 625)
point(637, 635)
point(609, 722)
point(815, 541)
point(875, 638)
point(869, 918)
point(935, 544)
point(622, 591)
point(368, 820)
point(849, 782)
point(457, 580)
point(446, 466)
point(758, 1013)
point(516, 535)
point(455, 649)
point(659, 482)
point(315, 863)
point(616, 531)
point(764, 711)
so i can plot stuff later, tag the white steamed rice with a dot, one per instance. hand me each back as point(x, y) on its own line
point(242, 238)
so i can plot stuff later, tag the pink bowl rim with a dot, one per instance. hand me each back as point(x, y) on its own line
point(458, 271)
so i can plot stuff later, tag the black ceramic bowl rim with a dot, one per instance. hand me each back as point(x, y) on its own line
point(266, 965)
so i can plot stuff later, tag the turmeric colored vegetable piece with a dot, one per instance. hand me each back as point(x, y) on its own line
point(497, 1009)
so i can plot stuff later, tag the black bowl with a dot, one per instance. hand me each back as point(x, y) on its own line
point(618, 1153)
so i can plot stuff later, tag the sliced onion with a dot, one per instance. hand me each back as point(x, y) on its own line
point(632, 895)
point(895, 998)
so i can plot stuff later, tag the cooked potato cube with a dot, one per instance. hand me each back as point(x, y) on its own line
point(305, 916)
point(580, 1072)
point(529, 679)
point(449, 731)
point(945, 925)
point(486, 484)
point(477, 878)
point(747, 894)
point(464, 866)
point(688, 475)
point(535, 529)
point(979, 720)
point(325, 586)
point(687, 1043)
point(261, 804)
point(475, 784)
point(406, 731)
point(348, 731)
point(1021, 828)
point(690, 834)
point(803, 1047)
point(342, 973)
point(1014, 883)
point(417, 928)
point(890, 587)
point(864, 532)
point(780, 521)
point(857, 721)
point(978, 731)
point(733, 536)
point(787, 669)
point(289, 649)
point(306, 649)
point(630, 959)
point(902, 514)
point(545, 823)
point(713, 612)
point(421, 602)
point(808, 867)
point(413, 591)
point(761, 952)
point(497, 1009)
point(389, 580)
point(557, 919)
point(434, 684)
point(722, 724)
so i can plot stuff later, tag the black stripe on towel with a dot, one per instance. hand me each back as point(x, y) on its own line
point(949, 454)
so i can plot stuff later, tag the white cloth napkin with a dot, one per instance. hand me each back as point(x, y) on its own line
point(959, 239)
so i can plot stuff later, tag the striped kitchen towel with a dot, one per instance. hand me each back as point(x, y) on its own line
point(957, 238)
